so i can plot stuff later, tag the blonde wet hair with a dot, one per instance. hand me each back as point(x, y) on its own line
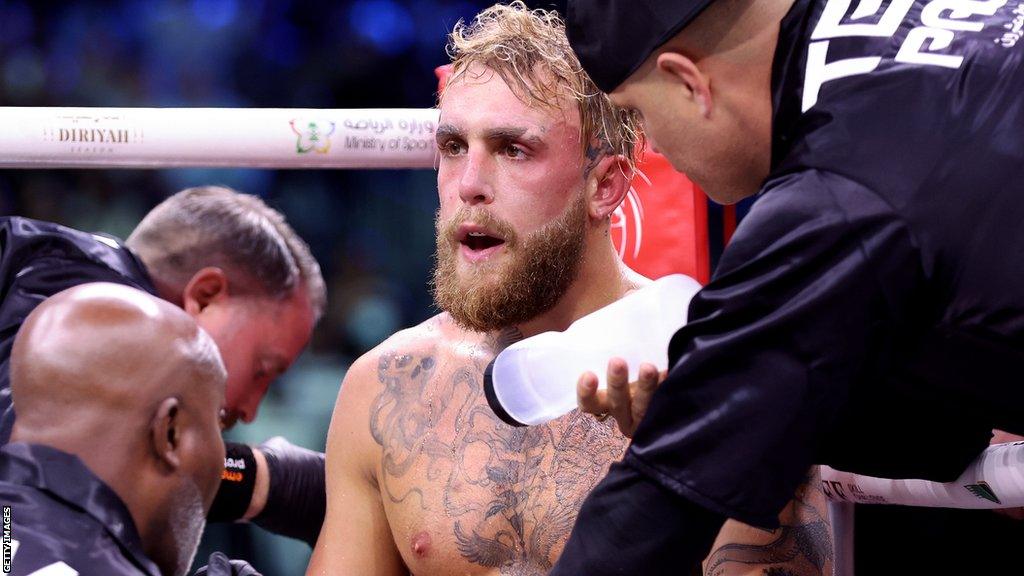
point(531, 53)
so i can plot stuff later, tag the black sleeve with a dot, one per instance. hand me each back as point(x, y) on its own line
point(635, 526)
point(297, 495)
point(816, 287)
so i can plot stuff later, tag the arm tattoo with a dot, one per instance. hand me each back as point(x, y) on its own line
point(801, 546)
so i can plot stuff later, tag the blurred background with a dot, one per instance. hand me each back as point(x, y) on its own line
point(372, 231)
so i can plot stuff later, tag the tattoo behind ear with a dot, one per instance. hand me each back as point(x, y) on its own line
point(594, 153)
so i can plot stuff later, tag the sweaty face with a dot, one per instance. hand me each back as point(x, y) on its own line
point(258, 338)
point(513, 215)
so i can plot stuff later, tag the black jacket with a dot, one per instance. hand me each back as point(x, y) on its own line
point(40, 259)
point(61, 514)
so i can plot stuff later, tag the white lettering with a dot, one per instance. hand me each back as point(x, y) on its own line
point(910, 52)
point(940, 20)
point(56, 569)
point(10, 545)
point(830, 25)
point(236, 463)
point(959, 12)
point(1015, 27)
point(819, 72)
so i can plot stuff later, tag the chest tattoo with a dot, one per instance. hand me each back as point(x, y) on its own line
point(508, 495)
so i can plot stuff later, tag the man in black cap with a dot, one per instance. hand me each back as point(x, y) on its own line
point(873, 292)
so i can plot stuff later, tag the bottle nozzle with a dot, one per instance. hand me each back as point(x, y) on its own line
point(492, 397)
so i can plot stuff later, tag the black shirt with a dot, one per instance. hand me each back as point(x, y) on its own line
point(62, 514)
point(876, 288)
point(40, 259)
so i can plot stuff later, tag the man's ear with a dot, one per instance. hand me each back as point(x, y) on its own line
point(165, 434)
point(607, 185)
point(681, 69)
point(206, 286)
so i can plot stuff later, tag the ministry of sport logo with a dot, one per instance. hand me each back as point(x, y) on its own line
point(312, 136)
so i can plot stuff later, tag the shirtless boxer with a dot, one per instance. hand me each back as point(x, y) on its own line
point(422, 477)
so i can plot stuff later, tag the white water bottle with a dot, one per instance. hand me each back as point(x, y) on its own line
point(534, 380)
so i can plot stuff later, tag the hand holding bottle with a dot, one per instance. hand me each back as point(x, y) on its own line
point(529, 382)
point(623, 400)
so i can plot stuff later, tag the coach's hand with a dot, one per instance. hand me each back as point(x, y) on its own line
point(626, 402)
point(219, 565)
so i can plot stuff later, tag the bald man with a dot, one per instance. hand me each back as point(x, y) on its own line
point(116, 453)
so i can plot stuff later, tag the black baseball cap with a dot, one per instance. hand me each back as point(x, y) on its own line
point(612, 38)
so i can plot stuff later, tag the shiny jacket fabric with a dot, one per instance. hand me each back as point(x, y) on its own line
point(869, 311)
point(39, 259)
point(63, 517)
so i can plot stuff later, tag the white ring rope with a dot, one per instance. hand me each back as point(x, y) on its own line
point(217, 137)
point(994, 480)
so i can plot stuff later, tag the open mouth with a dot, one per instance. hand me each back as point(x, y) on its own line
point(477, 241)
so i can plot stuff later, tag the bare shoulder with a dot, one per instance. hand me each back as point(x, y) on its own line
point(371, 370)
point(371, 381)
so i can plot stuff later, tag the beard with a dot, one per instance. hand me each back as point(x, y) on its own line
point(533, 276)
point(187, 521)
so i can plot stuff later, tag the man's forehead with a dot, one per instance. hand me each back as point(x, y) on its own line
point(482, 95)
